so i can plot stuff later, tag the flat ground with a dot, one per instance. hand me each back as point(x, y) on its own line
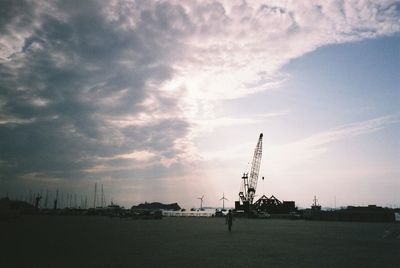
point(93, 241)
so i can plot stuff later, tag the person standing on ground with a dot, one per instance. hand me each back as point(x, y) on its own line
point(229, 220)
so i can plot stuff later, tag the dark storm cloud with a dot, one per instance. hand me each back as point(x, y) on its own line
point(75, 68)
point(10, 13)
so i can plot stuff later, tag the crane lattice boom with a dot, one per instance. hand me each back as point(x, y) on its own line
point(250, 185)
point(255, 169)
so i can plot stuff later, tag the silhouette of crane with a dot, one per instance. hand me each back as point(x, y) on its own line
point(250, 184)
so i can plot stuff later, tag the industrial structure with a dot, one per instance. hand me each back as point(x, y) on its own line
point(263, 205)
point(201, 202)
point(223, 198)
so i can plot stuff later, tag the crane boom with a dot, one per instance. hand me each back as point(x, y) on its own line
point(255, 169)
point(249, 185)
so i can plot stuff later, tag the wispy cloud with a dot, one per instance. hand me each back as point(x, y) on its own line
point(308, 149)
point(209, 125)
point(349, 131)
point(305, 149)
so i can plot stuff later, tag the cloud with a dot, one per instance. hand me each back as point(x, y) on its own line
point(308, 149)
point(238, 47)
point(85, 84)
point(209, 125)
point(75, 74)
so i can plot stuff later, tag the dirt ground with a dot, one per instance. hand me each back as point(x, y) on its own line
point(94, 241)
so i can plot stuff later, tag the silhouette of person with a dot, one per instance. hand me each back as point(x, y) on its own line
point(229, 220)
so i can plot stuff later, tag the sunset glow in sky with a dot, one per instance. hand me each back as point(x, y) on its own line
point(164, 100)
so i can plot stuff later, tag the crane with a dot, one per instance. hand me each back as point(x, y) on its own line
point(250, 184)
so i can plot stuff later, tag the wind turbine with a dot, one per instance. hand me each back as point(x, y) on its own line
point(223, 201)
point(201, 202)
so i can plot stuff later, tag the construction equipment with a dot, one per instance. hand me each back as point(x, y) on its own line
point(249, 186)
point(264, 205)
point(273, 205)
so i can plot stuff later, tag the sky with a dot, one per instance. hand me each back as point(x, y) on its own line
point(165, 100)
